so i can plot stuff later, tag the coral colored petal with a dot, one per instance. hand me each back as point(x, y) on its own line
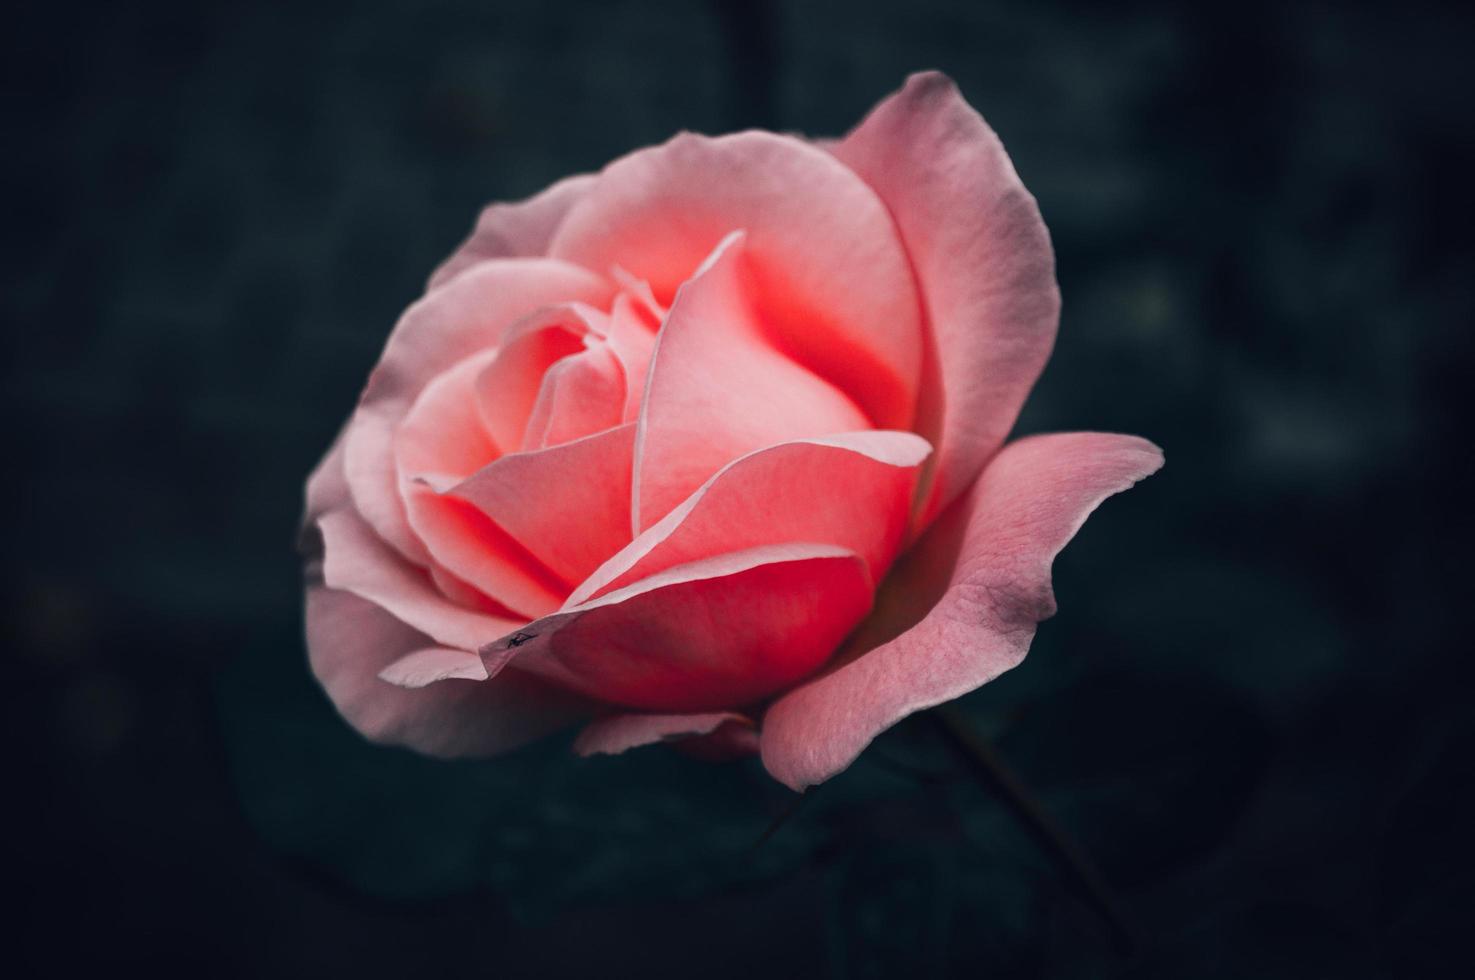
point(632, 340)
point(580, 395)
point(998, 543)
point(829, 274)
point(506, 390)
point(568, 505)
point(442, 440)
point(853, 490)
point(467, 315)
point(983, 262)
point(705, 636)
point(350, 640)
point(356, 560)
point(613, 735)
point(443, 432)
point(717, 389)
point(517, 229)
point(476, 550)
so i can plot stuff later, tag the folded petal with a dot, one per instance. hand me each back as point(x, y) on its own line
point(443, 440)
point(982, 260)
point(433, 664)
point(706, 636)
point(569, 505)
point(829, 274)
point(852, 490)
point(580, 395)
point(632, 338)
point(717, 389)
point(466, 316)
point(507, 388)
point(356, 560)
point(618, 733)
point(517, 229)
point(997, 545)
point(350, 640)
point(443, 434)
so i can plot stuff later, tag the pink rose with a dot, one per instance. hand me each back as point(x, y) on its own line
point(645, 454)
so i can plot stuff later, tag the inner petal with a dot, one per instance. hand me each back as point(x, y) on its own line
point(718, 388)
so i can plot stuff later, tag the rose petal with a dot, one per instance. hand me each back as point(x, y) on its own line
point(518, 229)
point(467, 315)
point(704, 636)
point(580, 395)
point(1004, 534)
point(569, 505)
point(632, 339)
point(718, 389)
point(443, 433)
point(432, 664)
point(507, 389)
point(443, 440)
point(474, 548)
point(350, 640)
point(829, 274)
point(982, 259)
point(852, 490)
point(356, 560)
point(619, 733)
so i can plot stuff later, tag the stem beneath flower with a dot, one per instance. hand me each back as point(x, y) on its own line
point(990, 769)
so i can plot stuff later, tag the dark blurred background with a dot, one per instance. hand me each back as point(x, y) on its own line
point(1252, 708)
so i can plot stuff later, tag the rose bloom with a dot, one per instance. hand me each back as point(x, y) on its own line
point(709, 447)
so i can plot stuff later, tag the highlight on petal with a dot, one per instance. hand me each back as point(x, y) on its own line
point(619, 733)
point(517, 229)
point(717, 389)
point(355, 560)
point(983, 262)
point(351, 640)
point(998, 542)
point(853, 490)
point(705, 636)
point(829, 275)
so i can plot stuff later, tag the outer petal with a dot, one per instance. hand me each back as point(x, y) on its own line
point(468, 315)
point(350, 640)
point(718, 389)
point(829, 274)
point(702, 637)
point(568, 505)
point(853, 490)
point(1028, 503)
point(618, 733)
point(519, 229)
point(983, 262)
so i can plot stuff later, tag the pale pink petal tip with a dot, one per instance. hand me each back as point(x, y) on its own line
point(999, 541)
point(619, 733)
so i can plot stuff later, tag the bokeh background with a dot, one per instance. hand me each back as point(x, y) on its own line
point(1253, 708)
